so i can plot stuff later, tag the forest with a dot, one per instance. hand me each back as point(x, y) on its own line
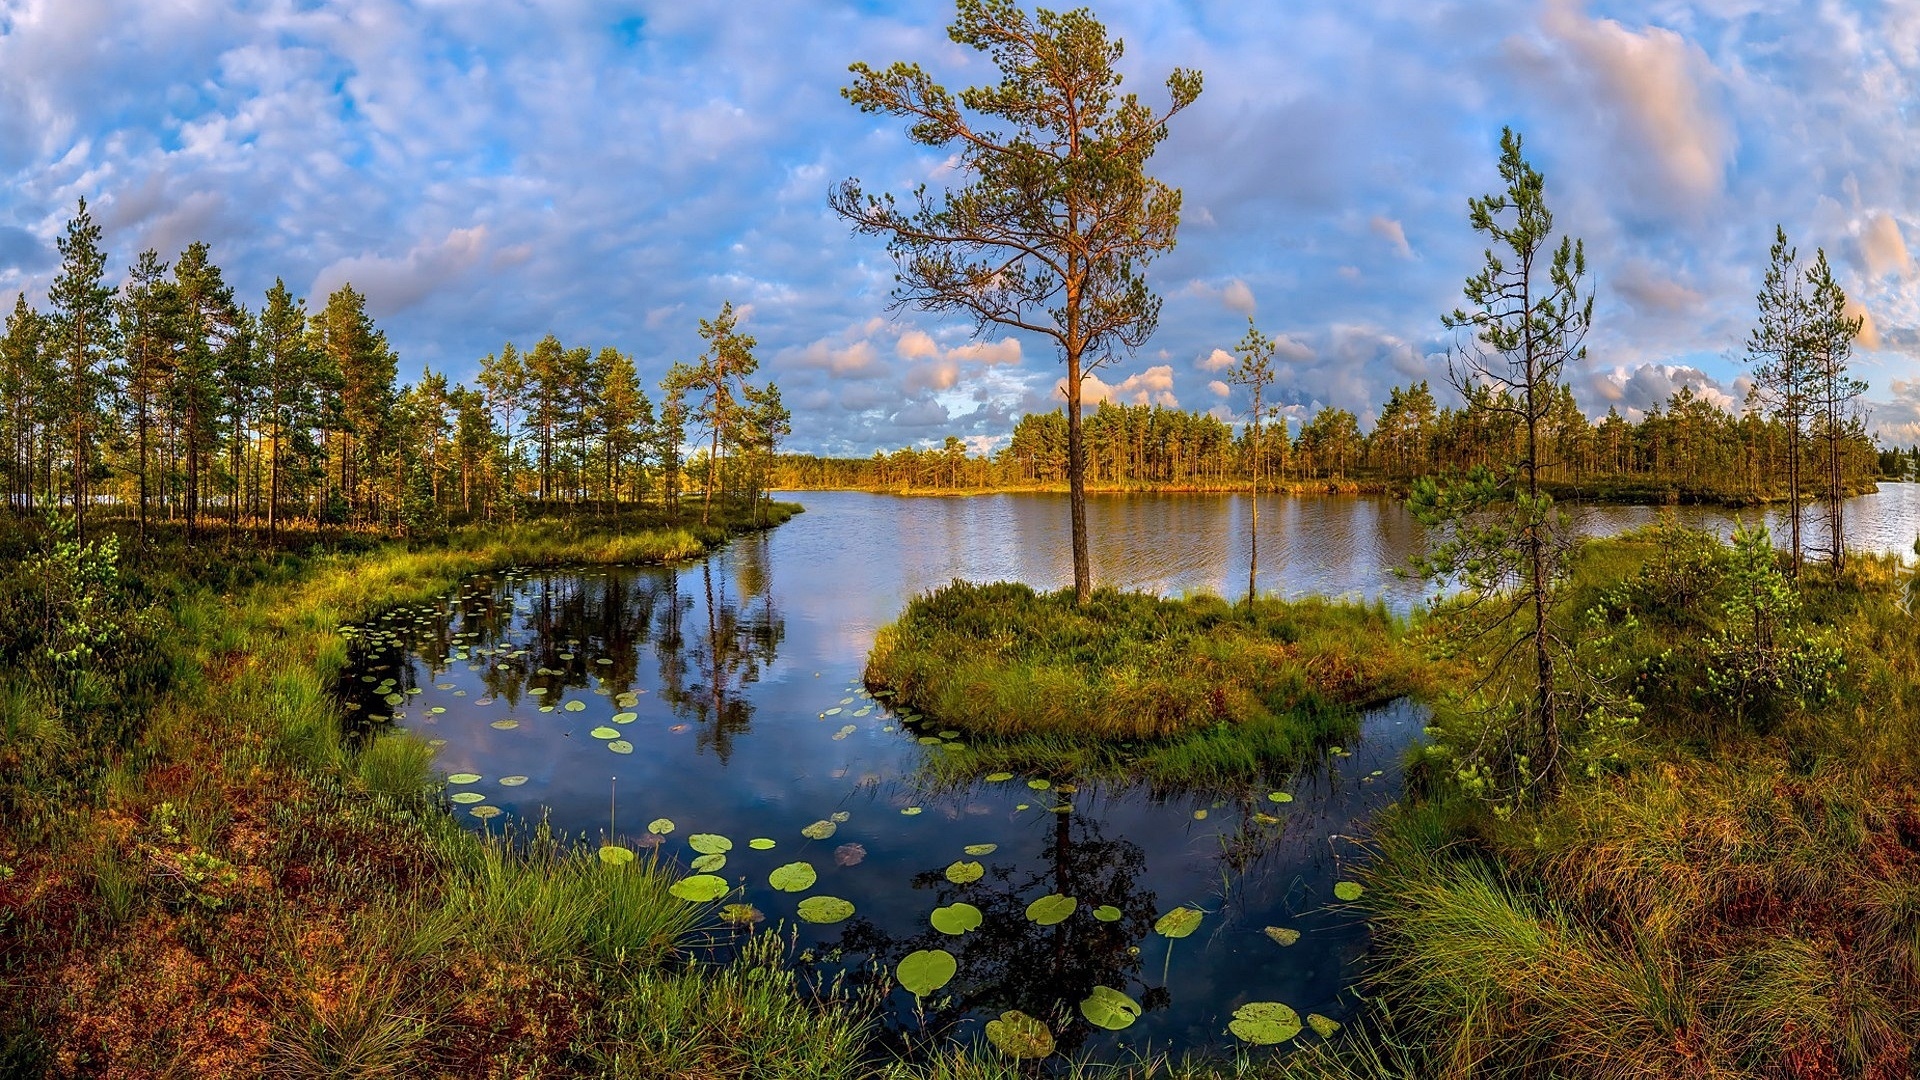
point(167, 398)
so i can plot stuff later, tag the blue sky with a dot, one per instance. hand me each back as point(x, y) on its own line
point(487, 170)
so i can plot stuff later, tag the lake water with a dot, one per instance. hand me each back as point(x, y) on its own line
point(743, 718)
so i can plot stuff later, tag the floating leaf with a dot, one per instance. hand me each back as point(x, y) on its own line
point(997, 777)
point(962, 873)
point(620, 746)
point(1280, 796)
point(819, 830)
point(839, 817)
point(1018, 1035)
point(1323, 1026)
point(1283, 935)
point(928, 740)
point(981, 849)
point(849, 854)
point(1107, 913)
point(707, 843)
point(923, 972)
point(512, 781)
point(395, 699)
point(956, 918)
point(825, 909)
point(760, 843)
point(1051, 909)
point(1179, 922)
point(467, 797)
point(615, 854)
point(536, 691)
point(463, 778)
point(604, 732)
point(485, 812)
point(1199, 815)
point(1264, 1023)
point(700, 888)
point(910, 811)
point(660, 826)
point(832, 712)
point(1039, 785)
point(793, 877)
point(741, 914)
point(505, 725)
point(1348, 891)
point(624, 717)
point(1265, 819)
point(1108, 1008)
point(707, 864)
point(576, 706)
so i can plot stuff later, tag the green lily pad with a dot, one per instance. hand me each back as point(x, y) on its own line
point(981, 849)
point(604, 732)
point(463, 778)
point(620, 746)
point(707, 864)
point(467, 797)
point(700, 888)
point(1348, 890)
point(741, 914)
point(660, 826)
point(505, 725)
point(839, 817)
point(1179, 922)
point(576, 706)
point(512, 781)
point(1107, 913)
point(793, 877)
point(536, 691)
point(1052, 908)
point(707, 843)
point(1264, 1023)
point(819, 830)
point(964, 872)
point(615, 854)
point(395, 699)
point(1018, 1035)
point(1108, 1008)
point(1199, 815)
point(1280, 796)
point(1039, 785)
point(624, 717)
point(485, 812)
point(923, 972)
point(760, 843)
point(1323, 1026)
point(910, 811)
point(825, 909)
point(997, 777)
point(956, 919)
point(1283, 935)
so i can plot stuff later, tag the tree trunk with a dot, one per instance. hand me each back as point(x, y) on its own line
point(1077, 484)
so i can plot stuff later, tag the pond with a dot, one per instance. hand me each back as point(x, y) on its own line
point(680, 711)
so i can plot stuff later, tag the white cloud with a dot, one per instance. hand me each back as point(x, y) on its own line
point(1154, 386)
point(1216, 360)
point(1393, 233)
point(1219, 388)
point(1882, 248)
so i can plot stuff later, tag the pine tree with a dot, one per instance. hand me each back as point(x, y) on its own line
point(505, 381)
point(209, 322)
point(26, 384)
point(83, 339)
point(363, 368)
point(150, 316)
point(546, 369)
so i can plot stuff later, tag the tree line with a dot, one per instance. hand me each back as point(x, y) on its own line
point(167, 398)
point(1691, 447)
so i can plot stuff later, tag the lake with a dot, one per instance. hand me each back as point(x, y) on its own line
point(721, 700)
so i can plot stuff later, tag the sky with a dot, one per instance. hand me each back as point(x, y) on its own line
point(612, 172)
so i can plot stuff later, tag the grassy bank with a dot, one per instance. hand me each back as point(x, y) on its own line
point(1191, 691)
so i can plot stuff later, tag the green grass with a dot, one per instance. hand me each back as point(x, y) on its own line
point(1190, 691)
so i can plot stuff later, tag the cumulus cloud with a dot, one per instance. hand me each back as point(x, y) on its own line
point(394, 284)
point(1154, 386)
point(1217, 360)
point(1219, 388)
point(1393, 233)
point(1635, 391)
point(1882, 249)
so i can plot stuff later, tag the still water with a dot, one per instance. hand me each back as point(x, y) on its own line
point(721, 698)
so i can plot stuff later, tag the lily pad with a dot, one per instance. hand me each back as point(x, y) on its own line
point(825, 909)
point(956, 919)
point(1018, 1035)
point(463, 778)
point(1107, 913)
point(1348, 890)
point(1283, 935)
point(839, 817)
point(485, 812)
point(620, 746)
point(707, 864)
point(910, 811)
point(576, 706)
point(624, 717)
point(965, 872)
point(1039, 785)
point(849, 854)
point(1264, 1023)
point(1280, 796)
point(1051, 909)
point(700, 888)
point(793, 877)
point(1108, 1008)
point(707, 843)
point(467, 797)
point(741, 914)
point(819, 830)
point(1179, 922)
point(997, 777)
point(512, 781)
point(660, 826)
point(760, 843)
point(604, 732)
point(1323, 1026)
point(923, 972)
point(981, 849)
point(505, 725)
point(616, 855)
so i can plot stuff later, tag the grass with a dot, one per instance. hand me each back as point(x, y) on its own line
point(1190, 691)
